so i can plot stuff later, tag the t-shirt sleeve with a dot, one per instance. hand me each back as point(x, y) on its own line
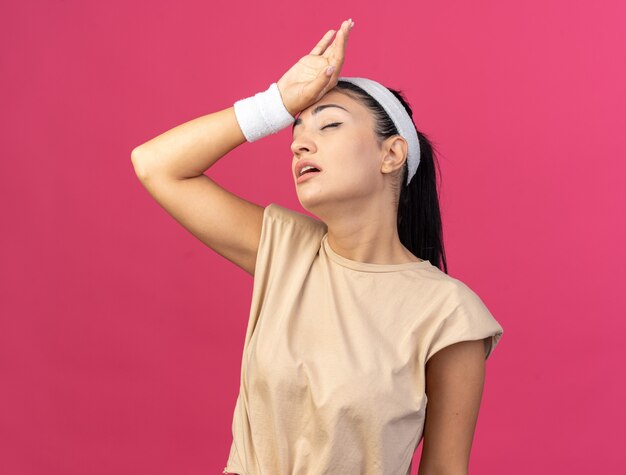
point(468, 319)
point(288, 245)
point(289, 242)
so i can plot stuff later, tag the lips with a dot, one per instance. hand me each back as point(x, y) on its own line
point(304, 163)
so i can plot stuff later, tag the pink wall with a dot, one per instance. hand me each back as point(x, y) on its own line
point(121, 334)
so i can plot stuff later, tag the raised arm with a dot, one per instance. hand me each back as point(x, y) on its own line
point(171, 166)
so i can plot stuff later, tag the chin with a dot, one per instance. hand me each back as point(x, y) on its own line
point(311, 203)
point(322, 205)
point(323, 200)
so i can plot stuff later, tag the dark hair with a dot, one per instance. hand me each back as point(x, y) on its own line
point(419, 217)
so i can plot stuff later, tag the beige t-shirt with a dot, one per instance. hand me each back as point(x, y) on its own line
point(333, 366)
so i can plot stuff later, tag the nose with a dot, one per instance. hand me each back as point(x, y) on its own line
point(301, 145)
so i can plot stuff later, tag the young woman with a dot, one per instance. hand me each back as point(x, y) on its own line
point(358, 343)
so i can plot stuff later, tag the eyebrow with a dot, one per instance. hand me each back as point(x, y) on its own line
point(315, 111)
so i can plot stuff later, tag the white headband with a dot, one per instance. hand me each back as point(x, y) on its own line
point(397, 113)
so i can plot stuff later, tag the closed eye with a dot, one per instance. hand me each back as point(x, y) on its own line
point(334, 124)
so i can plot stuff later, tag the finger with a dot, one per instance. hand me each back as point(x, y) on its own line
point(335, 53)
point(328, 52)
point(321, 46)
point(339, 52)
point(338, 49)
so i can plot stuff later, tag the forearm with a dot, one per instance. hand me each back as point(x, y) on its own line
point(428, 467)
point(441, 471)
point(189, 149)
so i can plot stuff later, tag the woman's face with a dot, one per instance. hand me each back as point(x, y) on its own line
point(347, 154)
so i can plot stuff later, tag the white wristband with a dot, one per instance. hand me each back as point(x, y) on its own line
point(262, 114)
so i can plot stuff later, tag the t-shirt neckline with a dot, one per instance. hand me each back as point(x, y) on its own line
point(368, 266)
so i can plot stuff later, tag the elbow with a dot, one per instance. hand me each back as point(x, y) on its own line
point(135, 154)
point(139, 163)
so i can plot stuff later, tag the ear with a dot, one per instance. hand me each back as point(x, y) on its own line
point(395, 150)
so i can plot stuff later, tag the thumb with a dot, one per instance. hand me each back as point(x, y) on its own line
point(324, 77)
point(318, 86)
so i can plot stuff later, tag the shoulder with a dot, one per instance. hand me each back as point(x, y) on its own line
point(461, 315)
point(462, 301)
point(461, 292)
point(445, 287)
point(279, 213)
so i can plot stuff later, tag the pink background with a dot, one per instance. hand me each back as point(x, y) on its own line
point(121, 334)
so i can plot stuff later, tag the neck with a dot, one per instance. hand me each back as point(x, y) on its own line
point(367, 234)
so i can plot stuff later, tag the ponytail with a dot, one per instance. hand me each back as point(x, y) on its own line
point(419, 216)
